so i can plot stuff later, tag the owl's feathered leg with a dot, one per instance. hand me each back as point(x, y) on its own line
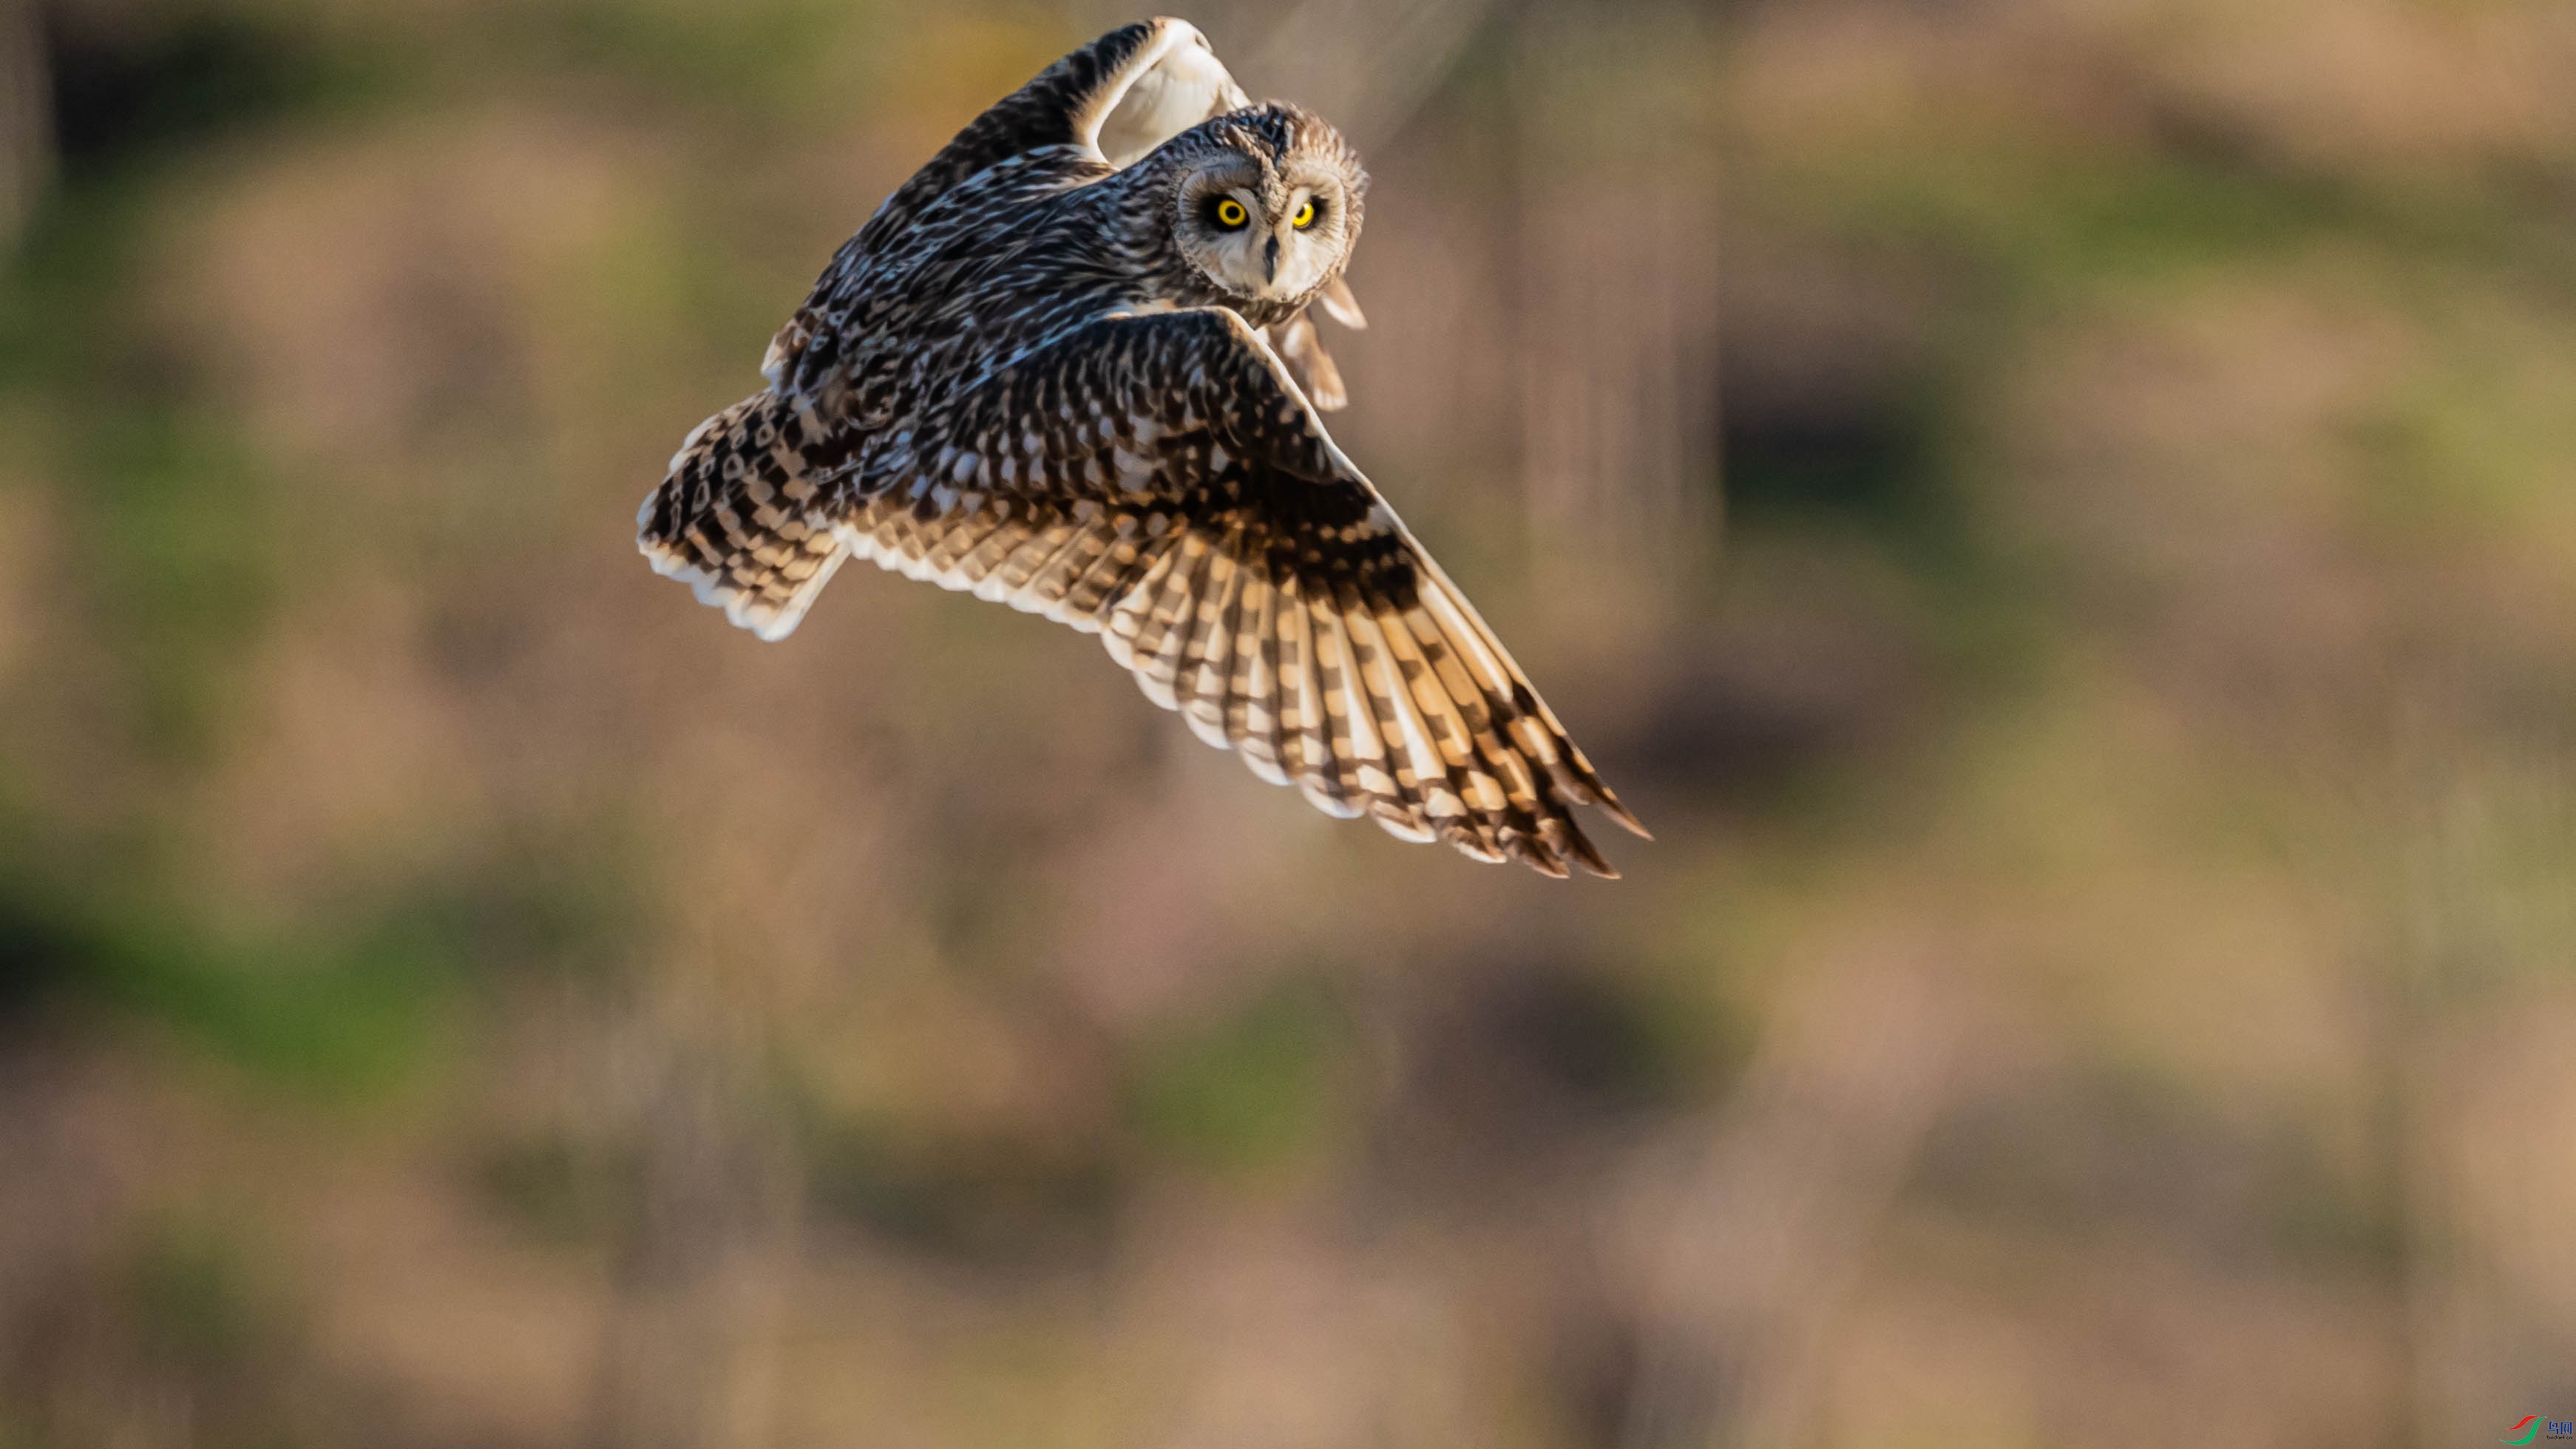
point(1298, 345)
point(1341, 306)
point(734, 516)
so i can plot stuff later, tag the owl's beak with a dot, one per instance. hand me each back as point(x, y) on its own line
point(1270, 259)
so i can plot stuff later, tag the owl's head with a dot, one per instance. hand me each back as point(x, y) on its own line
point(1266, 202)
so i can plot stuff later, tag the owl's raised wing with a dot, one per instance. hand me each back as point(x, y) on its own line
point(1092, 112)
point(1156, 480)
point(1112, 101)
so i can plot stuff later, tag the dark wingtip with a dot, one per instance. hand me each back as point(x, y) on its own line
point(1611, 807)
point(1567, 839)
point(1593, 862)
point(1539, 854)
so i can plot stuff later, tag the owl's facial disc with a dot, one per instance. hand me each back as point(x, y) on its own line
point(1266, 236)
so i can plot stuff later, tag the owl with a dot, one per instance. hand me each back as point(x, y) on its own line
point(1069, 366)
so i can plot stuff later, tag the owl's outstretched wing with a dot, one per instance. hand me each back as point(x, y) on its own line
point(1155, 479)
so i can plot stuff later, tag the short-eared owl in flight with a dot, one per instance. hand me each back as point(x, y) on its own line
point(1068, 366)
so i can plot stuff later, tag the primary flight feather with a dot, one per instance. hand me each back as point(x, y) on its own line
point(1070, 366)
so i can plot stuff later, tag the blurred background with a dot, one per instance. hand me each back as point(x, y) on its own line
point(2060, 513)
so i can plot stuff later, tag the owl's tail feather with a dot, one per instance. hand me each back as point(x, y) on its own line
point(735, 518)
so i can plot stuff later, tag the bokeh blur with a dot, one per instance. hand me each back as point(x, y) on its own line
point(2060, 513)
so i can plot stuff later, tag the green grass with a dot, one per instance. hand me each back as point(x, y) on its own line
point(1258, 1090)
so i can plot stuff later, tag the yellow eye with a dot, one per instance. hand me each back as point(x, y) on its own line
point(1304, 218)
point(1230, 214)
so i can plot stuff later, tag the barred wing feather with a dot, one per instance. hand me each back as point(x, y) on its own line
point(1158, 481)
